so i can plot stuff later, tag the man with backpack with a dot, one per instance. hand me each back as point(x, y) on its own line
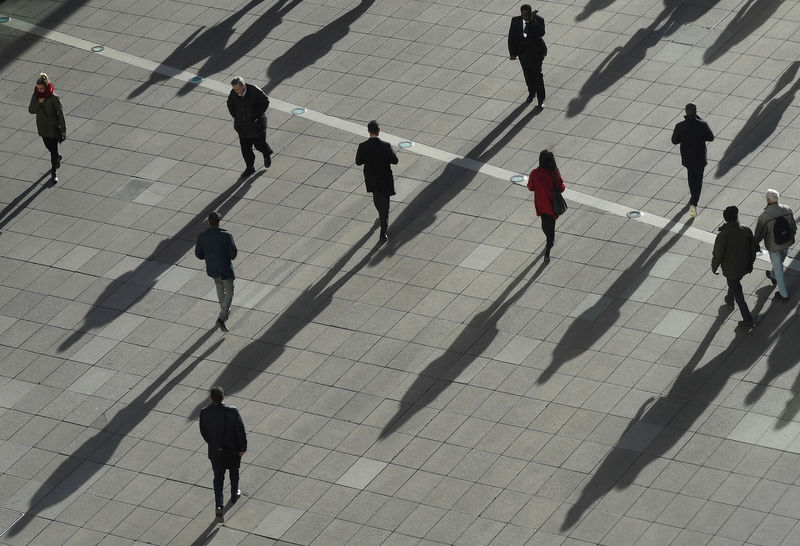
point(777, 227)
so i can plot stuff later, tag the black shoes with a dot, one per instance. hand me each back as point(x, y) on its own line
point(218, 514)
point(221, 325)
point(247, 172)
point(729, 301)
point(267, 160)
point(747, 324)
point(781, 297)
point(54, 177)
point(235, 497)
point(58, 165)
point(770, 277)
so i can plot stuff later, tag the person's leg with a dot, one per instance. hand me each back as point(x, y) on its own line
point(219, 481)
point(220, 284)
point(539, 83)
point(247, 152)
point(735, 290)
point(227, 299)
point(52, 146)
point(695, 176)
point(777, 257)
point(262, 146)
point(528, 70)
point(233, 472)
point(381, 202)
point(549, 229)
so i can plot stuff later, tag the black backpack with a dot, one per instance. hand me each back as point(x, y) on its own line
point(782, 231)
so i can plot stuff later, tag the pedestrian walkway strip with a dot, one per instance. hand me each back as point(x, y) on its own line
point(223, 88)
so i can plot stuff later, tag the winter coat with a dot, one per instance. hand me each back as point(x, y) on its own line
point(49, 115)
point(222, 428)
point(533, 44)
point(735, 250)
point(249, 111)
point(692, 134)
point(377, 157)
point(766, 223)
point(541, 182)
point(217, 248)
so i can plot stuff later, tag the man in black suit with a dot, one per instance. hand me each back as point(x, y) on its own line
point(692, 134)
point(525, 40)
point(248, 105)
point(377, 157)
point(223, 430)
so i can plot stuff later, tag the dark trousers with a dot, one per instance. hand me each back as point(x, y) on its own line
point(52, 146)
point(735, 292)
point(695, 175)
point(532, 70)
point(247, 143)
point(549, 229)
point(219, 481)
point(381, 201)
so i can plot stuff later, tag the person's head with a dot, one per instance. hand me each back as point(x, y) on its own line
point(691, 109)
point(772, 196)
point(213, 218)
point(730, 214)
point(373, 128)
point(238, 85)
point(42, 82)
point(525, 10)
point(547, 160)
point(217, 394)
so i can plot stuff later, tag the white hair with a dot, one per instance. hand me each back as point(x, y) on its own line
point(772, 195)
point(238, 80)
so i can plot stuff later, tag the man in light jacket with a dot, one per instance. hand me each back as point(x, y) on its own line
point(777, 227)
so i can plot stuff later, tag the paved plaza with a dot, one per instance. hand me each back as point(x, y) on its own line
point(448, 386)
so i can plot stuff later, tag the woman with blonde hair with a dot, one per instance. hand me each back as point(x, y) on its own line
point(542, 181)
point(49, 120)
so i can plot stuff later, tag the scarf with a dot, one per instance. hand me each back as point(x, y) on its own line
point(48, 92)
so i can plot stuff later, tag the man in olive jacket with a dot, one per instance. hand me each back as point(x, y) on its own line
point(692, 134)
point(223, 430)
point(248, 105)
point(735, 250)
point(765, 229)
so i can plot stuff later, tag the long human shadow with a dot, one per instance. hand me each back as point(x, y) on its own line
point(749, 18)
point(212, 45)
point(762, 122)
point(100, 448)
point(130, 287)
point(624, 59)
point(309, 49)
point(661, 423)
point(476, 336)
point(422, 211)
point(591, 7)
point(258, 355)
point(16, 206)
point(585, 330)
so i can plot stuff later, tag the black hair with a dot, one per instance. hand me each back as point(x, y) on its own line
point(547, 160)
point(217, 394)
point(373, 127)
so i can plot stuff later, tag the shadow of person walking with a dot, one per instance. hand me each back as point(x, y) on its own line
point(309, 49)
point(747, 20)
point(624, 59)
point(762, 122)
point(129, 288)
point(16, 206)
point(103, 447)
point(662, 421)
point(591, 325)
point(591, 7)
point(476, 336)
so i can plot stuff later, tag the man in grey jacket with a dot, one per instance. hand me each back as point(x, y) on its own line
point(217, 248)
point(777, 227)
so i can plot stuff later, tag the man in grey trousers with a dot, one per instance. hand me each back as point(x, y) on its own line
point(217, 248)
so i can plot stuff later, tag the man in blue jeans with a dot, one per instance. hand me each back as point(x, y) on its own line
point(217, 248)
point(223, 430)
point(777, 227)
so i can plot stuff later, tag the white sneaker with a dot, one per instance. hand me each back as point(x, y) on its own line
point(693, 211)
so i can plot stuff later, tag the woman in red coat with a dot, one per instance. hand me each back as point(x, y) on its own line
point(542, 181)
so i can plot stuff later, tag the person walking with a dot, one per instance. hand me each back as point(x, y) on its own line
point(735, 250)
point(50, 121)
point(216, 247)
point(526, 41)
point(692, 134)
point(222, 429)
point(542, 181)
point(378, 157)
point(777, 227)
point(248, 105)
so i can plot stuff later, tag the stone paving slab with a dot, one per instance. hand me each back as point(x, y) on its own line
point(447, 387)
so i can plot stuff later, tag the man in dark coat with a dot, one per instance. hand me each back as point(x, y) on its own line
point(217, 248)
point(223, 430)
point(248, 105)
point(735, 250)
point(525, 40)
point(377, 157)
point(692, 134)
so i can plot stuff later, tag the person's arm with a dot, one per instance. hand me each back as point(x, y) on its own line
point(241, 435)
point(759, 231)
point(719, 252)
point(204, 428)
point(531, 182)
point(198, 250)
point(232, 251)
point(261, 101)
point(513, 47)
point(392, 156)
point(62, 124)
point(537, 25)
point(231, 107)
point(33, 107)
point(709, 136)
point(360, 154)
point(562, 187)
point(676, 134)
